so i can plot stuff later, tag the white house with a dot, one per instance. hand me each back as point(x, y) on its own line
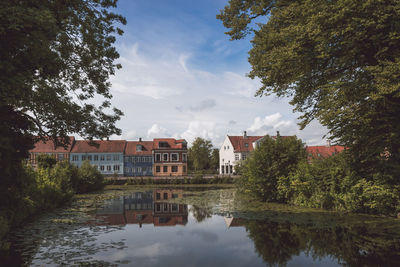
point(234, 149)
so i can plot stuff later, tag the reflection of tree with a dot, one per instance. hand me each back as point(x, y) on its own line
point(201, 213)
point(277, 243)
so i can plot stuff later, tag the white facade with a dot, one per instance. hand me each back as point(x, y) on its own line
point(227, 160)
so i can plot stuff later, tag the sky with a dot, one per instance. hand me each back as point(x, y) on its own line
point(182, 77)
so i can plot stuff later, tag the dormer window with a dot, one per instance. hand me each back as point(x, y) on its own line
point(163, 144)
point(138, 147)
point(246, 145)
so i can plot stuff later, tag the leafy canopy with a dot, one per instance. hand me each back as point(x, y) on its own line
point(339, 61)
point(56, 56)
point(200, 154)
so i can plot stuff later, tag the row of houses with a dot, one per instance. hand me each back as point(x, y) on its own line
point(237, 148)
point(160, 157)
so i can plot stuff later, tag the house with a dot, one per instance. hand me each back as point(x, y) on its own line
point(170, 157)
point(235, 149)
point(315, 152)
point(138, 158)
point(47, 146)
point(107, 156)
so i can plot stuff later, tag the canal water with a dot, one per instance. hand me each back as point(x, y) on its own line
point(199, 227)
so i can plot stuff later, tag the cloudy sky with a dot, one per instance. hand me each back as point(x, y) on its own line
point(183, 78)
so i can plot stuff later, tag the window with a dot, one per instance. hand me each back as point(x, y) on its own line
point(133, 170)
point(236, 156)
point(108, 157)
point(138, 147)
point(165, 195)
point(184, 157)
point(174, 207)
point(165, 168)
point(158, 196)
point(174, 156)
point(224, 147)
point(96, 157)
point(227, 147)
point(222, 169)
point(126, 159)
point(246, 145)
point(165, 156)
point(158, 207)
point(101, 157)
point(109, 168)
point(174, 168)
point(101, 167)
point(243, 156)
point(75, 158)
point(163, 144)
point(89, 157)
point(116, 167)
point(158, 157)
point(157, 168)
point(126, 169)
point(116, 157)
point(139, 169)
point(174, 195)
point(184, 168)
point(60, 156)
point(83, 157)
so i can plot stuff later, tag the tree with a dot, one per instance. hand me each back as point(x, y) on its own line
point(55, 57)
point(340, 63)
point(200, 154)
point(271, 160)
point(214, 163)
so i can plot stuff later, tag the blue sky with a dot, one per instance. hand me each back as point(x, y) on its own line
point(183, 78)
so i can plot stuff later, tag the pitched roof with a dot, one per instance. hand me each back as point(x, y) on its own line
point(130, 149)
point(323, 151)
point(111, 146)
point(239, 143)
point(172, 143)
point(47, 146)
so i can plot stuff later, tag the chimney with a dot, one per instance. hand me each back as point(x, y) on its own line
point(140, 139)
point(108, 138)
point(244, 134)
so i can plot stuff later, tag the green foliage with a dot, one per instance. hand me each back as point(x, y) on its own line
point(201, 156)
point(270, 161)
point(46, 161)
point(89, 178)
point(340, 63)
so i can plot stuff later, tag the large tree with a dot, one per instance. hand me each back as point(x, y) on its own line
point(55, 57)
point(200, 154)
point(339, 61)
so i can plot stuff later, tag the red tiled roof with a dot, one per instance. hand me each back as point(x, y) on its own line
point(238, 143)
point(323, 151)
point(48, 146)
point(111, 146)
point(172, 143)
point(130, 149)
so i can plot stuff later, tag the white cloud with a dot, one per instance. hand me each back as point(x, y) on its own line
point(157, 131)
point(203, 105)
point(272, 123)
point(206, 130)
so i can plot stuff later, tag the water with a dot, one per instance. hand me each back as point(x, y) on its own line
point(200, 227)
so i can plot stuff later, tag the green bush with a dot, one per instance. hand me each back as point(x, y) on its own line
point(89, 179)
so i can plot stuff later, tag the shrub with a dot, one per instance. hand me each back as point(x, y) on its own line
point(89, 179)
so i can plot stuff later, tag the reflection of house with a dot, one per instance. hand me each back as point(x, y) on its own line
point(47, 147)
point(107, 156)
point(170, 157)
point(138, 159)
point(315, 152)
point(233, 222)
point(234, 149)
point(139, 208)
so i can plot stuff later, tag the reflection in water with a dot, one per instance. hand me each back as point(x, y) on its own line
point(199, 236)
point(144, 208)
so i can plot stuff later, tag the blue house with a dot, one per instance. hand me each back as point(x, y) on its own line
point(138, 159)
point(107, 156)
